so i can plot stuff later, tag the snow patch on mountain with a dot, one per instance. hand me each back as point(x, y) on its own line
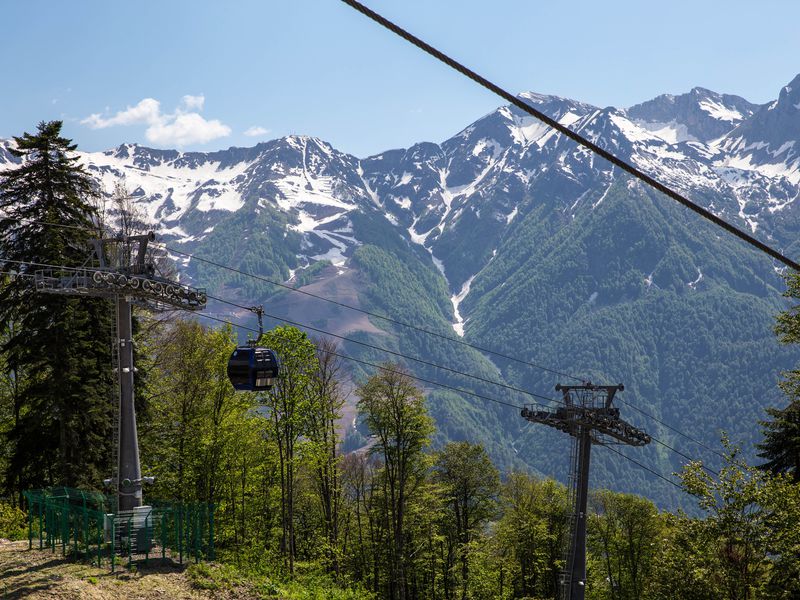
point(169, 189)
point(720, 112)
point(671, 132)
point(456, 300)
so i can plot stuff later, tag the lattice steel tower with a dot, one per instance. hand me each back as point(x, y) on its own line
point(121, 269)
point(589, 417)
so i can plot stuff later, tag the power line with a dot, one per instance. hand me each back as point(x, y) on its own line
point(388, 351)
point(422, 361)
point(566, 131)
point(664, 444)
point(423, 330)
point(643, 466)
point(553, 371)
point(415, 377)
point(377, 366)
point(335, 302)
point(437, 366)
point(322, 331)
point(372, 314)
point(686, 456)
point(442, 385)
point(670, 427)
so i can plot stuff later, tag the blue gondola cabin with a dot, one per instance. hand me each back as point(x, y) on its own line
point(253, 369)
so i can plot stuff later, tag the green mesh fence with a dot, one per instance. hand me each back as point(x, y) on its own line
point(83, 524)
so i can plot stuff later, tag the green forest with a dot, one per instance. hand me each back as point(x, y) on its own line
point(299, 512)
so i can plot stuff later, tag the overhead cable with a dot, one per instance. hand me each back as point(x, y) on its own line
point(388, 351)
point(431, 364)
point(371, 314)
point(576, 137)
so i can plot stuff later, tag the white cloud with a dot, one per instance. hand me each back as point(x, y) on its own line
point(255, 131)
point(183, 127)
point(191, 102)
point(147, 111)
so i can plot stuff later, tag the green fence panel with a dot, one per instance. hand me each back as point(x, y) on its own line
point(84, 524)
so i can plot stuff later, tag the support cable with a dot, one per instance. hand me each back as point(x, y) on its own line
point(330, 301)
point(671, 428)
point(566, 131)
point(371, 364)
point(283, 285)
point(645, 467)
point(437, 384)
point(399, 355)
point(392, 352)
point(371, 314)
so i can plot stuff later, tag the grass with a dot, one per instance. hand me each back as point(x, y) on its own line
point(308, 584)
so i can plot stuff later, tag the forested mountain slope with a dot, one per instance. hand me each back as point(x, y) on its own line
point(515, 238)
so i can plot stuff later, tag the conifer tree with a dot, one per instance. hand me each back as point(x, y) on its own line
point(781, 445)
point(59, 346)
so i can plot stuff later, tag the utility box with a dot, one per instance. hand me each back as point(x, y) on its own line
point(135, 529)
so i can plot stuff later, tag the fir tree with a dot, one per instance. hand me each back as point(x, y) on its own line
point(781, 444)
point(59, 347)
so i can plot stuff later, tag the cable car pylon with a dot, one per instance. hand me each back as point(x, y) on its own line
point(119, 268)
point(589, 416)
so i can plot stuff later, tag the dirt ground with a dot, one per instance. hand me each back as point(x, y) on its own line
point(39, 574)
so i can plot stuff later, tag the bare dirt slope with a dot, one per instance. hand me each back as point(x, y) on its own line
point(39, 574)
point(342, 288)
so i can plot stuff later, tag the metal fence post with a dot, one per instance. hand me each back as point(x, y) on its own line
point(180, 532)
point(163, 535)
point(39, 503)
point(212, 553)
point(113, 542)
point(147, 538)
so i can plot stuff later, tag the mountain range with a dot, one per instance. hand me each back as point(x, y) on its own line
point(511, 237)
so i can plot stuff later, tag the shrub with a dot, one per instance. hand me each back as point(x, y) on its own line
point(13, 522)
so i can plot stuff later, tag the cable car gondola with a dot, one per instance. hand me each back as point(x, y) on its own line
point(253, 368)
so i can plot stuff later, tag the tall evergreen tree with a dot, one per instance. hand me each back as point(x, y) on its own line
point(59, 347)
point(781, 445)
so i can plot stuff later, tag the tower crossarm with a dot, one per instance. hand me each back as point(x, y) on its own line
point(618, 429)
point(553, 418)
point(603, 421)
point(112, 283)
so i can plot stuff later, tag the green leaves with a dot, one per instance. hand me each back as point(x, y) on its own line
point(57, 348)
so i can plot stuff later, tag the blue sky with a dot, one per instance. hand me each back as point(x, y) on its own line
point(200, 75)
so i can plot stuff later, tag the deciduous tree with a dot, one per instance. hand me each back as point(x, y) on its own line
point(394, 411)
point(470, 486)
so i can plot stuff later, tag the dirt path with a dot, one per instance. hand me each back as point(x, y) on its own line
point(39, 574)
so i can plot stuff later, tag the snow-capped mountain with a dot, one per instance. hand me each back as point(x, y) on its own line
point(767, 142)
point(700, 115)
point(735, 157)
point(518, 239)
